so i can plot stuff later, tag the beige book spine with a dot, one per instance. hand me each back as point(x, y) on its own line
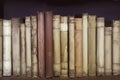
point(78, 47)
point(34, 47)
point(116, 47)
point(100, 46)
point(23, 49)
point(64, 46)
point(1, 46)
point(28, 46)
point(56, 42)
point(85, 44)
point(71, 47)
point(7, 48)
point(108, 50)
point(92, 45)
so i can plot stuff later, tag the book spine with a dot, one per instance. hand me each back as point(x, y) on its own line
point(92, 45)
point(16, 46)
point(41, 51)
point(34, 46)
point(78, 47)
point(108, 51)
point(1, 46)
point(100, 46)
point(71, 47)
point(64, 46)
point(56, 43)
point(49, 43)
point(116, 47)
point(23, 48)
point(7, 48)
point(28, 46)
point(85, 44)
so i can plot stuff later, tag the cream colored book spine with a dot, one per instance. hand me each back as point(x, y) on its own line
point(71, 47)
point(64, 46)
point(7, 48)
point(1, 46)
point(100, 46)
point(34, 47)
point(116, 47)
point(56, 42)
point(28, 46)
point(108, 51)
point(85, 44)
point(23, 49)
point(92, 45)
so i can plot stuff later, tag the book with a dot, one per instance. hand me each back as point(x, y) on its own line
point(64, 46)
point(28, 46)
point(23, 49)
point(85, 44)
point(7, 63)
point(1, 46)
point(71, 47)
point(92, 45)
point(16, 46)
point(116, 47)
point(100, 46)
point(41, 43)
point(108, 51)
point(78, 47)
point(49, 43)
point(34, 46)
point(56, 45)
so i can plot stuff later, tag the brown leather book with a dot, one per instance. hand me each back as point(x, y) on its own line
point(41, 51)
point(48, 44)
point(16, 46)
point(1, 45)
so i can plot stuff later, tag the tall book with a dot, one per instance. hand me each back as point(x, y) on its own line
point(116, 47)
point(28, 46)
point(16, 46)
point(71, 47)
point(7, 48)
point(34, 46)
point(85, 44)
point(41, 49)
point(92, 45)
point(64, 46)
point(108, 50)
point(1, 46)
point(78, 47)
point(56, 44)
point(100, 46)
point(49, 43)
point(23, 49)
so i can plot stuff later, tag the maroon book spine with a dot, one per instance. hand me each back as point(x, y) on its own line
point(41, 51)
point(49, 43)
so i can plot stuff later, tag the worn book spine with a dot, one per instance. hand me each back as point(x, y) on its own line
point(116, 47)
point(34, 46)
point(64, 46)
point(56, 43)
point(78, 47)
point(108, 51)
point(100, 46)
point(16, 46)
point(49, 43)
point(28, 46)
point(7, 48)
point(92, 45)
point(23, 49)
point(85, 44)
point(1, 46)
point(71, 47)
point(41, 43)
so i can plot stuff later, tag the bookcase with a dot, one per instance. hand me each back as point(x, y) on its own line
point(110, 9)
